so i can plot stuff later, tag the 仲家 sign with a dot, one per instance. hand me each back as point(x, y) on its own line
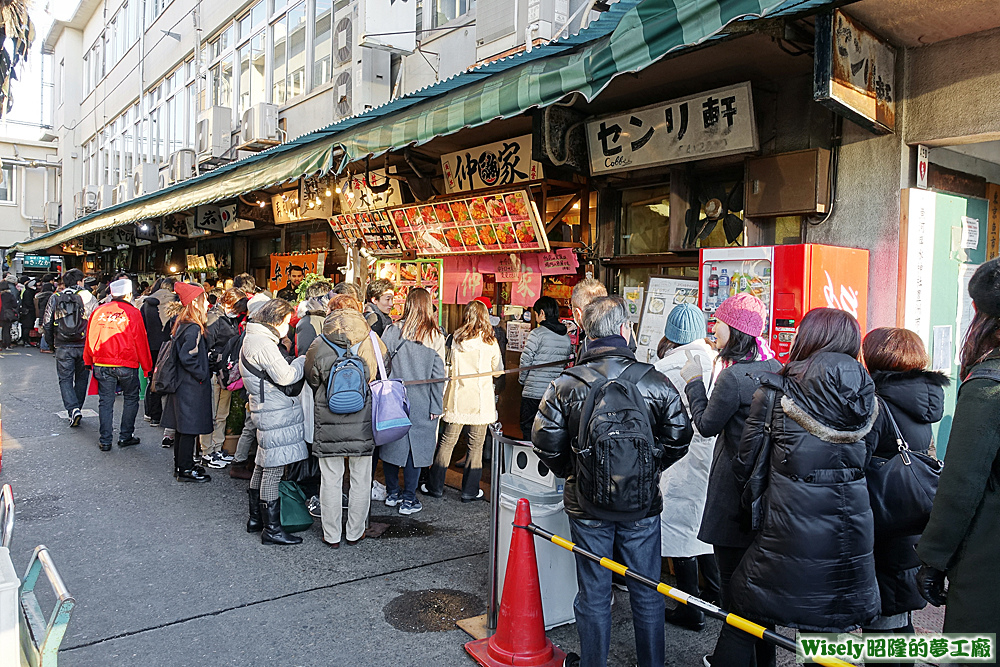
point(501, 163)
point(710, 124)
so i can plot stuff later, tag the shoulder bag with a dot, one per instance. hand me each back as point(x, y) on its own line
point(753, 492)
point(902, 487)
point(390, 406)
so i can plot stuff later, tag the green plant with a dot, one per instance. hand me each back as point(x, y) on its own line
point(300, 292)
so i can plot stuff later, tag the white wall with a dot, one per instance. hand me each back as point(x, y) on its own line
point(28, 189)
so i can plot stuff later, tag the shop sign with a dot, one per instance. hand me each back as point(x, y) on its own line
point(145, 230)
point(372, 227)
point(35, 262)
point(170, 228)
point(355, 195)
point(504, 222)
point(286, 209)
point(497, 164)
point(855, 72)
point(192, 229)
point(711, 124)
point(90, 243)
point(214, 218)
point(463, 279)
point(238, 225)
point(390, 25)
point(310, 262)
point(559, 263)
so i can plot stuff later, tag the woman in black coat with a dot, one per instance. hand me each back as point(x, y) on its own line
point(914, 398)
point(811, 565)
point(189, 410)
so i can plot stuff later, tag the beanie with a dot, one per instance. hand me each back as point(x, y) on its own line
point(743, 312)
point(187, 293)
point(685, 324)
point(255, 304)
point(984, 288)
point(485, 300)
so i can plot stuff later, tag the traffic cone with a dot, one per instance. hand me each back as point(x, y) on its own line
point(520, 637)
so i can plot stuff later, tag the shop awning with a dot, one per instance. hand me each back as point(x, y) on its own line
point(628, 38)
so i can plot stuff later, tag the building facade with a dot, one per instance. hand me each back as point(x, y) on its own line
point(29, 186)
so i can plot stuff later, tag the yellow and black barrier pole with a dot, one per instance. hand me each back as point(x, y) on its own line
point(737, 622)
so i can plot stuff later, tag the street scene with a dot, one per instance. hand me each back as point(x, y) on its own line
point(549, 333)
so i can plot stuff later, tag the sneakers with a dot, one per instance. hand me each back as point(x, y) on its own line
point(470, 500)
point(214, 460)
point(314, 508)
point(128, 442)
point(147, 418)
point(167, 442)
point(378, 490)
point(427, 492)
point(228, 458)
point(393, 499)
point(410, 507)
point(345, 502)
point(76, 417)
point(153, 423)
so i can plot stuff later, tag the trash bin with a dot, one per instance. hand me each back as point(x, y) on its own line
point(527, 477)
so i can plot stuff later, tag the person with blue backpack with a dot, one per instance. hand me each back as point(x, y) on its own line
point(339, 365)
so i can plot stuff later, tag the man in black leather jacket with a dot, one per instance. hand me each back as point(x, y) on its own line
point(635, 536)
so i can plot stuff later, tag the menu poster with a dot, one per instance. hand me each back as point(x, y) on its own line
point(500, 223)
point(633, 302)
point(517, 335)
point(371, 227)
point(662, 294)
point(410, 274)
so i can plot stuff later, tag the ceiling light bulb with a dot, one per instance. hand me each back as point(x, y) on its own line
point(173, 269)
point(328, 193)
point(261, 204)
point(319, 202)
point(312, 205)
point(338, 189)
point(576, 205)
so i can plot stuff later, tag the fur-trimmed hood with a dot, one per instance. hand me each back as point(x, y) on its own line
point(831, 396)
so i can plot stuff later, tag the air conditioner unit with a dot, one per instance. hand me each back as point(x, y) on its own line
point(163, 178)
point(214, 132)
point(52, 211)
point(259, 125)
point(123, 191)
point(105, 196)
point(182, 166)
point(145, 179)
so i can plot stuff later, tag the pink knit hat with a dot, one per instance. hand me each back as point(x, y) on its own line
point(743, 312)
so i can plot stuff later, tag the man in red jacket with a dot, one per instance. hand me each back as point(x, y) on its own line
point(116, 347)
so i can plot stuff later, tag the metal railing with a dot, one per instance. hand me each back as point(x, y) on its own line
point(41, 638)
point(6, 515)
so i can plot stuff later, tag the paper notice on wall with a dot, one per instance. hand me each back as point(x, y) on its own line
point(941, 349)
point(970, 233)
point(633, 302)
point(517, 334)
point(965, 310)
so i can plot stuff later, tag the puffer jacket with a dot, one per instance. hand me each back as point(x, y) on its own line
point(278, 418)
point(811, 564)
point(220, 330)
point(916, 401)
point(558, 421)
point(309, 326)
point(546, 343)
point(341, 435)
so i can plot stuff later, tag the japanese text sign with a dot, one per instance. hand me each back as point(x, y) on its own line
point(287, 209)
point(710, 124)
point(463, 280)
point(372, 227)
point(502, 222)
point(559, 263)
point(526, 289)
point(355, 195)
point(278, 278)
point(500, 163)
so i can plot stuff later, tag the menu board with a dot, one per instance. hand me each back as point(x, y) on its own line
point(662, 294)
point(409, 274)
point(502, 222)
point(372, 227)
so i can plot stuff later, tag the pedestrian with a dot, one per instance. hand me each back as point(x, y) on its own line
point(416, 352)
point(379, 304)
point(583, 293)
point(913, 397)
point(313, 312)
point(743, 357)
point(188, 411)
point(156, 335)
point(116, 348)
point(245, 283)
point(276, 414)
point(28, 316)
point(547, 343)
point(499, 381)
point(632, 525)
point(65, 327)
point(468, 402)
point(45, 292)
point(221, 327)
point(242, 466)
point(684, 485)
point(9, 313)
point(341, 439)
point(962, 537)
point(164, 297)
point(802, 458)
point(348, 288)
point(290, 291)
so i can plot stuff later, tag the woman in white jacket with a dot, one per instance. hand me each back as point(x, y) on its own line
point(684, 485)
point(468, 402)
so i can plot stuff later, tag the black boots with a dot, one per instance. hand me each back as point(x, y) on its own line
point(686, 570)
point(273, 532)
point(254, 523)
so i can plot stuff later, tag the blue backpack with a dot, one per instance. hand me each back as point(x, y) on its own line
point(346, 389)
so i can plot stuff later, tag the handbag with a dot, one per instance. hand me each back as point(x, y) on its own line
point(902, 487)
point(166, 374)
point(390, 406)
point(295, 515)
point(304, 471)
point(753, 492)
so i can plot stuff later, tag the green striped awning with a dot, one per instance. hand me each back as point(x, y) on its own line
point(630, 37)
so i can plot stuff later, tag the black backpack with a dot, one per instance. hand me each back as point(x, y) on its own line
point(166, 375)
point(616, 456)
point(69, 317)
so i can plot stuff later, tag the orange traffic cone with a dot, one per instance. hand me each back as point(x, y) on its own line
point(520, 637)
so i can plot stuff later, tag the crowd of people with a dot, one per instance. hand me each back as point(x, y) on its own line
point(748, 475)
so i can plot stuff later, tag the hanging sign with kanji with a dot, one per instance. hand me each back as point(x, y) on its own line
point(501, 163)
point(710, 124)
point(310, 262)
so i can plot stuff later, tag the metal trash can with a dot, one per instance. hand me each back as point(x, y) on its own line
point(527, 477)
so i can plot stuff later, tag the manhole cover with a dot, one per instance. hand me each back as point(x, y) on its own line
point(435, 610)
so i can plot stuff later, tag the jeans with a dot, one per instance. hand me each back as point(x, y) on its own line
point(638, 542)
point(736, 648)
point(331, 500)
point(154, 402)
point(221, 397)
point(529, 408)
point(43, 344)
point(411, 475)
point(473, 461)
point(73, 376)
point(108, 379)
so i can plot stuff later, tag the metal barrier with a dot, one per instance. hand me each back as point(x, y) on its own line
point(6, 515)
point(40, 639)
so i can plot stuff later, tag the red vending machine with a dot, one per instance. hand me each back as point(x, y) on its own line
point(791, 280)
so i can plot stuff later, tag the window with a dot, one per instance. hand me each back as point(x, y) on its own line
point(7, 184)
point(278, 34)
point(250, 23)
point(296, 51)
point(443, 11)
point(322, 43)
point(645, 224)
point(252, 72)
point(87, 85)
point(222, 82)
point(154, 8)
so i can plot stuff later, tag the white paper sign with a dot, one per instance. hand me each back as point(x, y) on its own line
point(517, 335)
point(941, 349)
point(662, 294)
point(710, 124)
point(965, 310)
point(919, 263)
point(633, 301)
point(970, 233)
point(500, 163)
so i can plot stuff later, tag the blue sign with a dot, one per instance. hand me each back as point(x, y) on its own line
point(36, 262)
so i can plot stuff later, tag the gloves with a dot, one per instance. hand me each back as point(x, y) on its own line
point(930, 583)
point(692, 370)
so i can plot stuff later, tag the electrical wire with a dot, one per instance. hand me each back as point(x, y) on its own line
point(838, 137)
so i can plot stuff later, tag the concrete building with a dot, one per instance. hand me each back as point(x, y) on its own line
point(29, 184)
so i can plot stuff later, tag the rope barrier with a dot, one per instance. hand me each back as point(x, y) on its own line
point(708, 608)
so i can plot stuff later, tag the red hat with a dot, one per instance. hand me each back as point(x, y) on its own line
point(485, 300)
point(187, 293)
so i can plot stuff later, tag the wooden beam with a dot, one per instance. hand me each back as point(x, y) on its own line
point(563, 211)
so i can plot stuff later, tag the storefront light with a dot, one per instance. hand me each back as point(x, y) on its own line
point(173, 269)
point(261, 204)
point(328, 193)
point(338, 190)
